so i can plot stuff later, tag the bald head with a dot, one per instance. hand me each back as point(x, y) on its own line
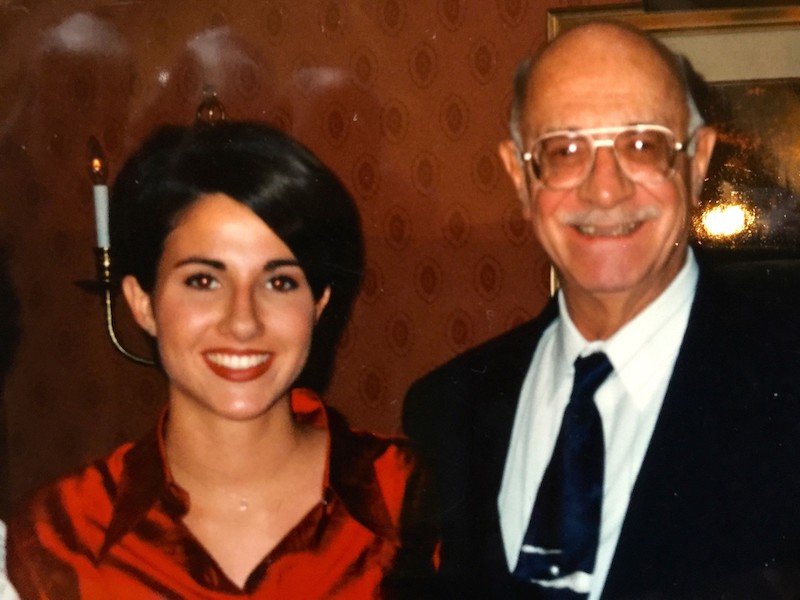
point(600, 52)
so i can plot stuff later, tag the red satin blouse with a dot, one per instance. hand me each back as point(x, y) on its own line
point(115, 529)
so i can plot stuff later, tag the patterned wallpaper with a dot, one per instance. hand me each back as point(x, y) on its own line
point(405, 99)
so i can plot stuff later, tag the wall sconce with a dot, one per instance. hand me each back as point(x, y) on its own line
point(209, 111)
point(98, 172)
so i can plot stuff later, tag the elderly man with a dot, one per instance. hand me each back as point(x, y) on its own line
point(640, 438)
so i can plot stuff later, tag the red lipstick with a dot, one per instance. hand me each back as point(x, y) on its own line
point(238, 365)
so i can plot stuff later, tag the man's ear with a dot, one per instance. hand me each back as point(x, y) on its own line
point(512, 161)
point(322, 302)
point(705, 137)
point(140, 304)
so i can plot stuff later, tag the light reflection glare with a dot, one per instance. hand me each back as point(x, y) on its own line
point(726, 220)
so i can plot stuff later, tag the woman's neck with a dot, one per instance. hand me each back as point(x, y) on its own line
point(207, 450)
point(249, 482)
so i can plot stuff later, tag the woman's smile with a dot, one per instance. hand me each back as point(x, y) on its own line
point(238, 365)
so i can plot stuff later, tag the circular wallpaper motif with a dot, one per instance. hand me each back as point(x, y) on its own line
point(486, 169)
point(274, 21)
point(372, 386)
point(512, 11)
point(483, 61)
point(451, 14)
point(516, 227)
point(304, 74)
point(394, 121)
point(392, 15)
point(332, 19)
point(336, 124)
point(371, 284)
point(248, 79)
point(428, 279)
point(217, 18)
point(364, 65)
point(281, 118)
point(397, 228)
point(460, 330)
point(488, 277)
point(457, 225)
point(454, 117)
point(423, 65)
point(366, 175)
point(425, 173)
point(400, 334)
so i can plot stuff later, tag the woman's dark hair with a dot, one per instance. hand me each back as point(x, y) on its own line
point(279, 179)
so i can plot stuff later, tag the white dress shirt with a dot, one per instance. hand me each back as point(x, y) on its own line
point(643, 355)
point(7, 591)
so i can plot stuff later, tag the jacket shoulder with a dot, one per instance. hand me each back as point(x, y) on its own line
point(489, 370)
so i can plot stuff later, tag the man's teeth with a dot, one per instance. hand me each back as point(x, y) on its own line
point(237, 361)
point(607, 230)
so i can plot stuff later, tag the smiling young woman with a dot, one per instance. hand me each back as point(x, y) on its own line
point(236, 250)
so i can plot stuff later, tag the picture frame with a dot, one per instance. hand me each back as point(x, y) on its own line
point(723, 44)
point(749, 90)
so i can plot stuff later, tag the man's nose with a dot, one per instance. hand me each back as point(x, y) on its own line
point(606, 183)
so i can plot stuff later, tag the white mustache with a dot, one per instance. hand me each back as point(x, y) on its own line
point(609, 218)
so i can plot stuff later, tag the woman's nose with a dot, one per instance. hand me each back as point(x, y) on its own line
point(242, 316)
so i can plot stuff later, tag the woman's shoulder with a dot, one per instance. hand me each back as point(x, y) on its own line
point(391, 451)
point(79, 503)
point(366, 460)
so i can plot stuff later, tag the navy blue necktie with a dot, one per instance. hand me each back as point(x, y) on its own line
point(564, 528)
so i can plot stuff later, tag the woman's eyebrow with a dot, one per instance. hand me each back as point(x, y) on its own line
point(215, 264)
point(220, 265)
point(281, 262)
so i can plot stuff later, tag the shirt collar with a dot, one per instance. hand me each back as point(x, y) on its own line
point(350, 474)
point(640, 342)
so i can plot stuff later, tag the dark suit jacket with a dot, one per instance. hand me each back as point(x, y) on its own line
point(715, 511)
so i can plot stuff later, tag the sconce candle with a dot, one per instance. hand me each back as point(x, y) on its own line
point(101, 215)
point(98, 171)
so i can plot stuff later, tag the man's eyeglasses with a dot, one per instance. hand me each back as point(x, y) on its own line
point(562, 160)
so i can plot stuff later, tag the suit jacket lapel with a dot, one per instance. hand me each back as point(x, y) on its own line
point(651, 508)
point(495, 405)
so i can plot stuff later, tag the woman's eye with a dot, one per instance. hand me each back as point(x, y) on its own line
point(202, 281)
point(282, 283)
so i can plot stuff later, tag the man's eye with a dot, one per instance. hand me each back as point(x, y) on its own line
point(202, 281)
point(642, 145)
point(282, 283)
point(646, 143)
point(563, 149)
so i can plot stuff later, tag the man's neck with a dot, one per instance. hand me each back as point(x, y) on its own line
point(598, 316)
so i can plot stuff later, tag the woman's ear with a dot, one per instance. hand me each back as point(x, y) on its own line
point(322, 303)
point(140, 304)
